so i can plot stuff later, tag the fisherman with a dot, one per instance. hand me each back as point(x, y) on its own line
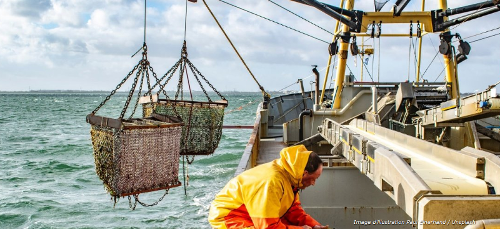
point(267, 196)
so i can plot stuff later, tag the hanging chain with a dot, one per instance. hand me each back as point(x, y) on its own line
point(130, 203)
point(379, 32)
point(117, 87)
point(372, 34)
point(203, 77)
point(143, 73)
point(419, 30)
point(409, 51)
point(196, 72)
point(136, 198)
point(149, 84)
point(181, 72)
point(188, 161)
point(129, 97)
point(198, 79)
point(162, 86)
point(411, 29)
point(158, 81)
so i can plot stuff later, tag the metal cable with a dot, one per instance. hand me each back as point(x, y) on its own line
point(289, 86)
point(430, 64)
point(185, 20)
point(275, 22)
point(301, 17)
point(485, 37)
point(241, 58)
point(367, 71)
point(481, 33)
point(470, 15)
point(144, 21)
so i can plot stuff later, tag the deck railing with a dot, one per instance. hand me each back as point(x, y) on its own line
point(249, 157)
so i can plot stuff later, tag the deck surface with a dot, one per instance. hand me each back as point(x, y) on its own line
point(270, 147)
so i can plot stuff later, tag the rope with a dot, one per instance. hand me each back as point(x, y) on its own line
point(273, 21)
point(301, 17)
point(241, 58)
point(242, 106)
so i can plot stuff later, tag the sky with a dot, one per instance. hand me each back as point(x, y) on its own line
point(88, 44)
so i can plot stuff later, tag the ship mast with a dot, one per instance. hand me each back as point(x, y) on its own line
point(448, 58)
point(356, 22)
point(342, 57)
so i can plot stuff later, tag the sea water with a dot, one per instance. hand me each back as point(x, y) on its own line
point(47, 173)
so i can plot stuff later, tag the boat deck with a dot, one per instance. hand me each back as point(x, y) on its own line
point(270, 147)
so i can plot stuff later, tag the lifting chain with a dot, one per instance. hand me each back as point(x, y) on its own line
point(117, 87)
point(372, 34)
point(182, 63)
point(131, 93)
point(145, 67)
point(142, 71)
point(411, 29)
point(189, 161)
point(162, 86)
point(136, 198)
point(139, 93)
point(379, 32)
point(158, 81)
point(419, 30)
point(196, 72)
point(183, 59)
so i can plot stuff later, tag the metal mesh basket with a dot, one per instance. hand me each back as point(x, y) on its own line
point(203, 121)
point(136, 155)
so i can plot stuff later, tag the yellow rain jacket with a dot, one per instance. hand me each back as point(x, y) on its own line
point(265, 196)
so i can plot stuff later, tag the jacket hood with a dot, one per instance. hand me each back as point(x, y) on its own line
point(293, 160)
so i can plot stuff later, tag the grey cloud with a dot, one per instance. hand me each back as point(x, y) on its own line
point(31, 8)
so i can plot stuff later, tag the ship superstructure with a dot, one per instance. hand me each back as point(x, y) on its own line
point(408, 154)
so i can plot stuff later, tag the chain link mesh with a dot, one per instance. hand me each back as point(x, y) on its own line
point(137, 160)
point(202, 128)
point(136, 155)
point(203, 121)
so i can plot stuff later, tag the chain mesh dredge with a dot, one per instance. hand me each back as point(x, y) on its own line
point(142, 157)
point(203, 121)
point(136, 155)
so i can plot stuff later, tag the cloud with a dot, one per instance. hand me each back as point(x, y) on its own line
point(79, 43)
point(28, 8)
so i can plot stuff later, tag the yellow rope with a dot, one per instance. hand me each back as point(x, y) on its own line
point(241, 58)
